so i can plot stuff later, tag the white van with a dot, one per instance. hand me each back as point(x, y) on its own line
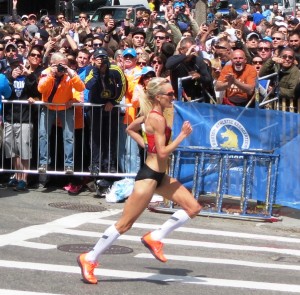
point(126, 2)
point(89, 7)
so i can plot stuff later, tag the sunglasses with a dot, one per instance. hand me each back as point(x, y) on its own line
point(35, 55)
point(97, 44)
point(170, 94)
point(24, 19)
point(156, 62)
point(276, 38)
point(159, 37)
point(128, 56)
point(89, 45)
point(257, 62)
point(146, 77)
point(145, 19)
point(285, 56)
point(142, 63)
point(1, 48)
point(220, 47)
point(11, 50)
point(263, 49)
point(21, 46)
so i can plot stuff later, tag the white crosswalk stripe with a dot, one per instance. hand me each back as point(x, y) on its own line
point(70, 226)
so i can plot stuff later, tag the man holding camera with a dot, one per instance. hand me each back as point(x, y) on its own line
point(56, 86)
point(189, 62)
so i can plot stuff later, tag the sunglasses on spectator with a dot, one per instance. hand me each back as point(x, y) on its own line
point(11, 50)
point(35, 55)
point(159, 37)
point(1, 48)
point(21, 46)
point(285, 56)
point(24, 19)
point(220, 47)
point(89, 45)
point(276, 38)
point(145, 19)
point(97, 44)
point(263, 49)
point(142, 63)
point(146, 77)
point(257, 62)
point(156, 62)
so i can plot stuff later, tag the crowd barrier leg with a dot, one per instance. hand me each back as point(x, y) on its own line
point(221, 162)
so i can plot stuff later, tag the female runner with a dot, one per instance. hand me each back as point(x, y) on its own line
point(151, 178)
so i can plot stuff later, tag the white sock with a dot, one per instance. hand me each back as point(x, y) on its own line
point(109, 236)
point(179, 218)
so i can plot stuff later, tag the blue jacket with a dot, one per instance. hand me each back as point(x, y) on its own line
point(5, 89)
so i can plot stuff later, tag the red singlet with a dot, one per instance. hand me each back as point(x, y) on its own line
point(150, 137)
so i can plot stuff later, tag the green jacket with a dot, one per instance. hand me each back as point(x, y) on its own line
point(288, 79)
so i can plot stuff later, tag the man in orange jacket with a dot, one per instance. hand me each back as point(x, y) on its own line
point(56, 86)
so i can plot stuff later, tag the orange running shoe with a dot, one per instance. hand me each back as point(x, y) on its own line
point(87, 269)
point(155, 247)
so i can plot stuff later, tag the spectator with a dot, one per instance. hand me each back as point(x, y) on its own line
point(5, 91)
point(293, 24)
point(190, 63)
point(252, 40)
point(107, 86)
point(143, 60)
point(264, 49)
point(278, 39)
point(288, 76)
point(294, 43)
point(130, 159)
point(158, 62)
point(18, 125)
point(237, 80)
point(232, 14)
point(50, 86)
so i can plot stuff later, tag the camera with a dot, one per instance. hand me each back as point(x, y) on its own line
point(61, 68)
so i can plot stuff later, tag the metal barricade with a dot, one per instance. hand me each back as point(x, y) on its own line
point(220, 162)
point(82, 150)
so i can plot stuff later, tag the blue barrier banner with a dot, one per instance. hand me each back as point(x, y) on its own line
point(237, 128)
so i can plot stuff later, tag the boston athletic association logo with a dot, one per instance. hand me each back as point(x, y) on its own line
point(229, 133)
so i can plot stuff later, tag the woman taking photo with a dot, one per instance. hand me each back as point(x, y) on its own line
point(151, 178)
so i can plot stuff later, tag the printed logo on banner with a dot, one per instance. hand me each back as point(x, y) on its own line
point(229, 133)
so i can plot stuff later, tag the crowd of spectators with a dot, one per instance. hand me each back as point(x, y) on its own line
point(63, 61)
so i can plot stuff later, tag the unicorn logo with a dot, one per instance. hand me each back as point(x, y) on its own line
point(229, 133)
point(232, 139)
